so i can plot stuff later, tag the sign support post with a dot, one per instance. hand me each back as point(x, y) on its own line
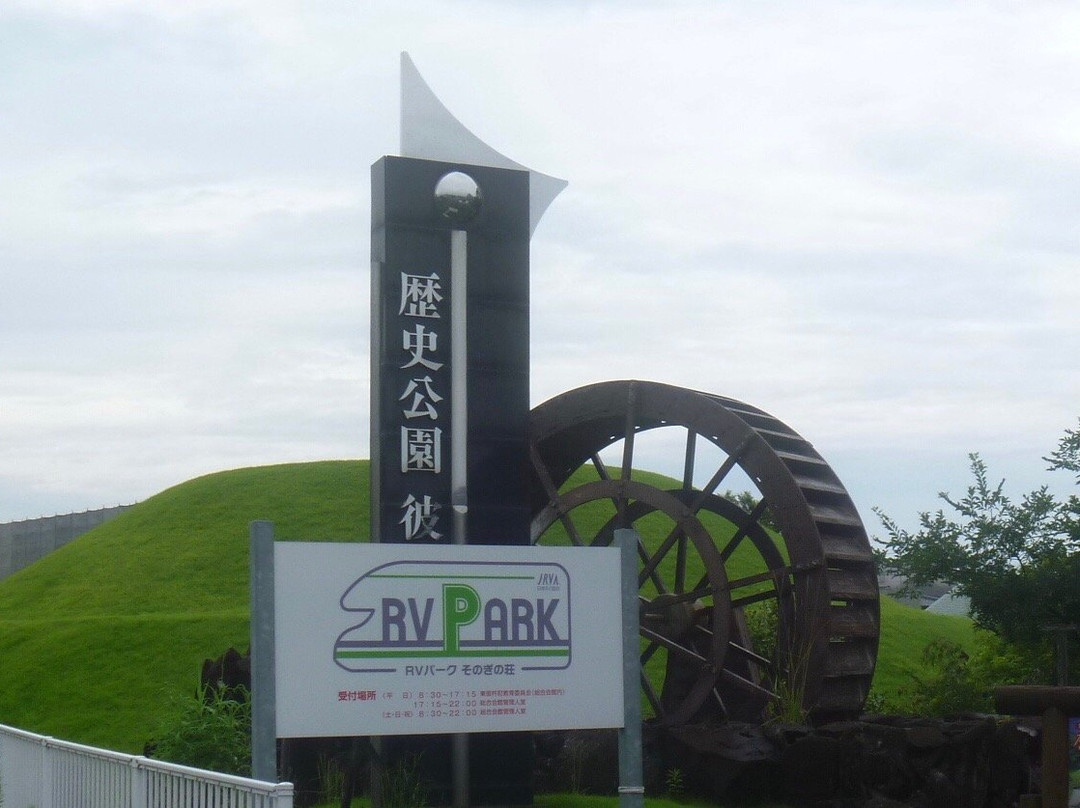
point(631, 788)
point(263, 687)
point(459, 445)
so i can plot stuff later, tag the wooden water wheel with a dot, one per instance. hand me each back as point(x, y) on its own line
point(752, 603)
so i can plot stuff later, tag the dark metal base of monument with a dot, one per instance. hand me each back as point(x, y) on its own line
point(500, 766)
point(753, 604)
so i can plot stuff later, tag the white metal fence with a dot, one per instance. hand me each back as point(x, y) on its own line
point(41, 772)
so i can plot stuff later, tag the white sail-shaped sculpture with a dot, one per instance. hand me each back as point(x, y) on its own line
point(430, 131)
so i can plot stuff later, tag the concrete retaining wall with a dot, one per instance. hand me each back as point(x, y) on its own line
point(23, 543)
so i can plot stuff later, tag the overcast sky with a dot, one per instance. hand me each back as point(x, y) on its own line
point(863, 218)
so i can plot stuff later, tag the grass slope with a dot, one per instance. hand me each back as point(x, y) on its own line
point(96, 638)
point(905, 632)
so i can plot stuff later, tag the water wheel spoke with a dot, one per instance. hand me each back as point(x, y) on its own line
point(761, 577)
point(743, 530)
point(632, 513)
point(688, 459)
point(680, 563)
point(742, 651)
point(602, 472)
point(650, 573)
point(651, 695)
point(704, 583)
point(718, 701)
point(688, 485)
point(753, 657)
point(600, 466)
point(757, 597)
point(672, 646)
point(718, 477)
point(649, 652)
point(571, 530)
point(629, 431)
point(738, 583)
point(543, 474)
point(685, 597)
point(552, 492)
point(652, 562)
point(746, 684)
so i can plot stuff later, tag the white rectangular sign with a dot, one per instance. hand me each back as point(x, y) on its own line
point(390, 639)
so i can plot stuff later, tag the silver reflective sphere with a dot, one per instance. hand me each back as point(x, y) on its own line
point(457, 198)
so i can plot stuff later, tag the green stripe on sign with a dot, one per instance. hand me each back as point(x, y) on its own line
point(461, 577)
point(495, 653)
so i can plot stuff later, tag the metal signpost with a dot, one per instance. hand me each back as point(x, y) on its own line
point(631, 775)
point(264, 733)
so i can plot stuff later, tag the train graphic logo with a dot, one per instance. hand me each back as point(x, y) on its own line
point(428, 615)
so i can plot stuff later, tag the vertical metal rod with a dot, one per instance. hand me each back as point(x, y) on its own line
point(631, 780)
point(1060, 635)
point(1055, 759)
point(459, 447)
point(1061, 639)
point(459, 390)
point(263, 688)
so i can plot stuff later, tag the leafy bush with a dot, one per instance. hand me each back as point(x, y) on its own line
point(959, 682)
point(763, 621)
point(210, 730)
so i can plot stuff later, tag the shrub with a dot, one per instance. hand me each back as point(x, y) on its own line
point(959, 682)
point(210, 730)
point(674, 783)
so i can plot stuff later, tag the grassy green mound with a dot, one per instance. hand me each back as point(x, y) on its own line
point(97, 638)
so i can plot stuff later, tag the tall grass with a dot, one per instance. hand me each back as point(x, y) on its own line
point(211, 730)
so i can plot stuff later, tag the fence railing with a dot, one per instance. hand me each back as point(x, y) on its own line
point(41, 772)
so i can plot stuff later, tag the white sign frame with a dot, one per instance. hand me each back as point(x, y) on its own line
point(394, 639)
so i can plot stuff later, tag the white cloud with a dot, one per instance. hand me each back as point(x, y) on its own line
point(860, 218)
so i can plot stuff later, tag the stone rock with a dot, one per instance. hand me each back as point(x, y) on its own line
point(877, 762)
point(810, 768)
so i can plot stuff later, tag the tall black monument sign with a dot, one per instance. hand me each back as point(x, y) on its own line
point(435, 225)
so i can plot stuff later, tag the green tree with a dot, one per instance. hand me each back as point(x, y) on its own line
point(1018, 561)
